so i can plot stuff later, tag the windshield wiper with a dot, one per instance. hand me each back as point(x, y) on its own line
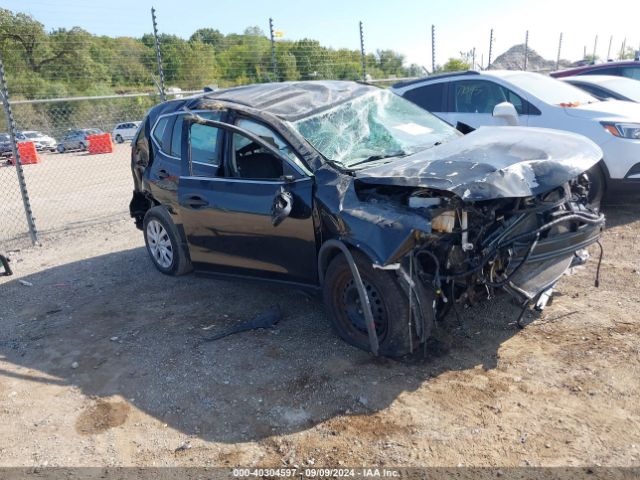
point(373, 158)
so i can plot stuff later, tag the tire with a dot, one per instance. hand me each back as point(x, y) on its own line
point(389, 305)
point(60, 149)
point(598, 187)
point(119, 139)
point(163, 243)
point(83, 146)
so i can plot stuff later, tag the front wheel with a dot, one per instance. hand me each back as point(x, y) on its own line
point(119, 139)
point(389, 305)
point(163, 243)
point(60, 148)
point(598, 185)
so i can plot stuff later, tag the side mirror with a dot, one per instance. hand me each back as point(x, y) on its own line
point(281, 208)
point(507, 112)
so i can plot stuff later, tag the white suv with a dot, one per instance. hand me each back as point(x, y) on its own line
point(124, 131)
point(469, 100)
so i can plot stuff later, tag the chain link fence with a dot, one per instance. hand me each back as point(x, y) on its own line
point(68, 84)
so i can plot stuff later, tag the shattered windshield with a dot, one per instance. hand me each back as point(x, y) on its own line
point(373, 127)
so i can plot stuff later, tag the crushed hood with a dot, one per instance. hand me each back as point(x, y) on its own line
point(492, 162)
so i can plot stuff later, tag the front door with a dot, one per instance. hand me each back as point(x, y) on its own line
point(228, 216)
point(471, 102)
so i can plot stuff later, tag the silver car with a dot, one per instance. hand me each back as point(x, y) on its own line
point(77, 139)
point(41, 141)
point(124, 131)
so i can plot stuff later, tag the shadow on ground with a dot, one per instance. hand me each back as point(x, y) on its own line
point(113, 325)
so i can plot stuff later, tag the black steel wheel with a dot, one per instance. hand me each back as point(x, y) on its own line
point(389, 306)
point(598, 185)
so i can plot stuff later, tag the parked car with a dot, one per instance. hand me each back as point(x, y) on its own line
point(42, 142)
point(624, 68)
point(124, 131)
point(77, 139)
point(607, 87)
point(474, 99)
point(6, 148)
point(353, 190)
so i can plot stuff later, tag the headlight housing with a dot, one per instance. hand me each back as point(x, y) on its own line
point(623, 129)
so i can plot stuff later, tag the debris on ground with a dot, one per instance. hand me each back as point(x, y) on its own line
point(267, 319)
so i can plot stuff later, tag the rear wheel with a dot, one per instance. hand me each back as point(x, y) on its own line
point(60, 148)
point(163, 243)
point(119, 139)
point(389, 306)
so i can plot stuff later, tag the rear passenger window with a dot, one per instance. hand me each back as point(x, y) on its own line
point(429, 97)
point(204, 144)
point(176, 136)
point(159, 132)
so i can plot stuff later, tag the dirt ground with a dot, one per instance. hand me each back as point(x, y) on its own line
point(54, 186)
point(102, 363)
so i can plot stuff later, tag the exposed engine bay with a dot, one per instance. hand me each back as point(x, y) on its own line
point(520, 245)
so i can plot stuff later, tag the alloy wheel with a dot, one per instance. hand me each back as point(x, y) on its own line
point(160, 245)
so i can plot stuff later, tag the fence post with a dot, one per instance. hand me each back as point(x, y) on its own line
point(274, 63)
point(11, 125)
point(433, 49)
point(490, 49)
point(559, 49)
point(526, 50)
point(364, 59)
point(158, 55)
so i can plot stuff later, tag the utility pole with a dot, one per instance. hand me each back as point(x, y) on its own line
point(364, 60)
point(609, 49)
point(158, 55)
point(473, 59)
point(13, 130)
point(559, 50)
point(490, 49)
point(526, 49)
point(433, 49)
point(274, 62)
point(595, 45)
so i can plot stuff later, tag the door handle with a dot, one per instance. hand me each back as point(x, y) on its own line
point(196, 202)
point(162, 174)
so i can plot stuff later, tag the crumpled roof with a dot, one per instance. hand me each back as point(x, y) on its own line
point(291, 101)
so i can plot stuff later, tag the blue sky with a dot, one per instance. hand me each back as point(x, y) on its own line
point(402, 25)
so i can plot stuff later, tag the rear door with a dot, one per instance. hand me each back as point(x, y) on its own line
point(228, 212)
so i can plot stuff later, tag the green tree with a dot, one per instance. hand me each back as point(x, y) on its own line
point(455, 65)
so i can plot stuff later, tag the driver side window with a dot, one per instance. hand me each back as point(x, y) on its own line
point(252, 161)
point(477, 96)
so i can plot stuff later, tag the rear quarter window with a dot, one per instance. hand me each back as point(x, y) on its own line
point(159, 132)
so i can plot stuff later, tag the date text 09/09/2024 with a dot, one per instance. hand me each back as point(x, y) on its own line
point(315, 472)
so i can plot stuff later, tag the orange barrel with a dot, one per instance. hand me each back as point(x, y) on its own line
point(100, 143)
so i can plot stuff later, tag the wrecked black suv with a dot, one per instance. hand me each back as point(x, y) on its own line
point(341, 186)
